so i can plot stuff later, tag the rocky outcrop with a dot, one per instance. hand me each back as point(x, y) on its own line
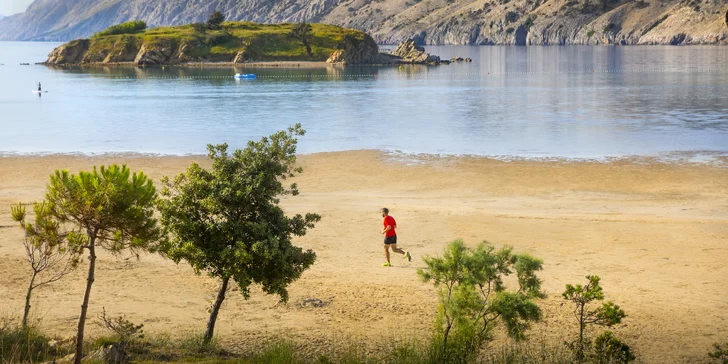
point(354, 50)
point(69, 53)
point(409, 52)
point(476, 22)
point(187, 52)
point(155, 54)
point(124, 50)
point(239, 57)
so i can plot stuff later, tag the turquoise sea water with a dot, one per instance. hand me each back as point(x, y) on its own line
point(546, 102)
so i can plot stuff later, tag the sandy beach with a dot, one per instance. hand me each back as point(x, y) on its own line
point(656, 233)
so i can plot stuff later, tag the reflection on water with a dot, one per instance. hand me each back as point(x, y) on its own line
point(511, 101)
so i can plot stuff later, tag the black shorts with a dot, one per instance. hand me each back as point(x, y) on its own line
point(390, 240)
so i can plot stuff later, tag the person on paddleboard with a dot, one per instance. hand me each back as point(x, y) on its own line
point(390, 237)
point(39, 90)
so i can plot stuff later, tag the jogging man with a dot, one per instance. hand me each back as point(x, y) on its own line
point(390, 237)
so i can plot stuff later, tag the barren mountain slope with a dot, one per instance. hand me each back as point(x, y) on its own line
point(527, 22)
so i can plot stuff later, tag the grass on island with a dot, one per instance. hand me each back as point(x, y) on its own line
point(259, 42)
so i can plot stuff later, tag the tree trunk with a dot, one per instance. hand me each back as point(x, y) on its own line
point(214, 311)
point(580, 353)
point(308, 48)
point(84, 306)
point(27, 301)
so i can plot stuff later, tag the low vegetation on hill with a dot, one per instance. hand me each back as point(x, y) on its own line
point(234, 42)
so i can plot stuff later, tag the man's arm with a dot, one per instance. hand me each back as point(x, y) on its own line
point(389, 227)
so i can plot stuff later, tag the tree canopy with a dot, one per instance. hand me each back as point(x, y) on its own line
point(474, 298)
point(214, 22)
point(110, 208)
point(226, 220)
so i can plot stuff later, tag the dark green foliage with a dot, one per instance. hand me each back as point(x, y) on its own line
point(529, 22)
point(303, 32)
point(720, 354)
point(590, 33)
point(511, 17)
point(199, 27)
point(226, 221)
point(473, 297)
point(510, 30)
point(609, 349)
point(214, 22)
point(609, 28)
point(608, 314)
point(130, 27)
point(218, 38)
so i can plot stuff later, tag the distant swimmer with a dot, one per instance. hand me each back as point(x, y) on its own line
point(390, 237)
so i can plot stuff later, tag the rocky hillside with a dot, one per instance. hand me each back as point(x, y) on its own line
point(522, 22)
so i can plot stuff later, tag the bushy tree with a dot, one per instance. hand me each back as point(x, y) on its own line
point(214, 22)
point(607, 315)
point(303, 32)
point(109, 208)
point(46, 250)
point(473, 297)
point(226, 221)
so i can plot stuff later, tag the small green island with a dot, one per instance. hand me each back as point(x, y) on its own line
point(220, 43)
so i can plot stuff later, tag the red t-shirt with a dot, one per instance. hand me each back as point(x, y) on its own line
point(389, 221)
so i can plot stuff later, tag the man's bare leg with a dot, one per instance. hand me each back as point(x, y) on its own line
point(386, 252)
point(396, 250)
point(400, 251)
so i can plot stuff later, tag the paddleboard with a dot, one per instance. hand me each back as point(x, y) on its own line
point(39, 92)
point(247, 76)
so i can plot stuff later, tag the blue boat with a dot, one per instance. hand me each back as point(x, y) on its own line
point(247, 76)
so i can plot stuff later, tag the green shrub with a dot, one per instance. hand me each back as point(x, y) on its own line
point(130, 27)
point(609, 349)
point(511, 17)
point(528, 354)
point(720, 354)
point(590, 33)
point(474, 298)
point(510, 30)
point(125, 332)
point(199, 27)
point(279, 352)
point(194, 344)
point(584, 297)
point(25, 345)
point(218, 38)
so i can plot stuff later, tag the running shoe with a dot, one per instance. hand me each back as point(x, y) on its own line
point(386, 264)
point(408, 256)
